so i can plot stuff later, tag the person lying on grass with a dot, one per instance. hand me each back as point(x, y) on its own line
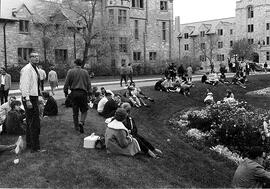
point(146, 147)
point(14, 121)
point(117, 137)
point(50, 107)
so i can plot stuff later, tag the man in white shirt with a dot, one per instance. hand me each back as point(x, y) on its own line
point(101, 104)
point(5, 81)
point(43, 76)
point(29, 86)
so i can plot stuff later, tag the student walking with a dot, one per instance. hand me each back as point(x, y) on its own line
point(78, 81)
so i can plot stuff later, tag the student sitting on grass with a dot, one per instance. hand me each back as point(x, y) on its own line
point(209, 99)
point(4, 109)
point(159, 86)
point(130, 124)
point(132, 97)
point(111, 105)
point(229, 98)
point(14, 121)
point(223, 79)
point(238, 79)
point(138, 92)
point(50, 107)
point(167, 84)
point(205, 79)
point(117, 137)
point(185, 86)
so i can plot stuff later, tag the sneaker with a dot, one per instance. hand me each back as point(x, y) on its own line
point(81, 127)
point(19, 145)
point(38, 151)
point(158, 151)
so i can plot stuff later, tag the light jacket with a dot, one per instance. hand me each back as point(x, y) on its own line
point(28, 81)
point(118, 141)
point(7, 81)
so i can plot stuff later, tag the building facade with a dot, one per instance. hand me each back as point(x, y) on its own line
point(141, 31)
point(251, 21)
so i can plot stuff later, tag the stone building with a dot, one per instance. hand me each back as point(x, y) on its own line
point(141, 31)
point(252, 21)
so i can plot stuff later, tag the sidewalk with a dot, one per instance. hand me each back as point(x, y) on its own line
point(103, 82)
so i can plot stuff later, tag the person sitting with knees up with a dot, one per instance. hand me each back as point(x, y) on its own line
point(205, 79)
point(14, 121)
point(167, 84)
point(138, 92)
point(50, 107)
point(159, 86)
point(117, 137)
point(130, 124)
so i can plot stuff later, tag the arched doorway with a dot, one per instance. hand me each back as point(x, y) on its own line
point(255, 57)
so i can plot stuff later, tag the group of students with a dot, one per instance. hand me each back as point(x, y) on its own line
point(229, 97)
point(106, 102)
point(12, 114)
point(180, 84)
point(213, 79)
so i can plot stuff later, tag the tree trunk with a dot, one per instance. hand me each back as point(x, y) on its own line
point(85, 54)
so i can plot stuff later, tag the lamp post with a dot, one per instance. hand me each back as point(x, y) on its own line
point(179, 40)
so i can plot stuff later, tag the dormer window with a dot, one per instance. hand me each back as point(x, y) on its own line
point(202, 33)
point(250, 12)
point(24, 26)
point(186, 35)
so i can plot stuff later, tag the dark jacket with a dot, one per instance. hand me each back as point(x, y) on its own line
point(14, 123)
point(50, 108)
point(109, 108)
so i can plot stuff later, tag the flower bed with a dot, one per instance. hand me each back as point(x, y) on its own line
point(233, 127)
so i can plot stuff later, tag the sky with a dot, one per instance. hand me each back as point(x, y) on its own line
point(200, 10)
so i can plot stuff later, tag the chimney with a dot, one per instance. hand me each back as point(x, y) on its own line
point(177, 24)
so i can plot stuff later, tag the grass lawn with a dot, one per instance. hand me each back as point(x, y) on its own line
point(66, 164)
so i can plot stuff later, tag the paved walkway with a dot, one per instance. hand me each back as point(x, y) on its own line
point(114, 85)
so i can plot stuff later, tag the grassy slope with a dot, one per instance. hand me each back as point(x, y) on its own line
point(66, 164)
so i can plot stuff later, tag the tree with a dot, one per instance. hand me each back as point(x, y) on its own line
point(243, 49)
point(207, 47)
point(88, 16)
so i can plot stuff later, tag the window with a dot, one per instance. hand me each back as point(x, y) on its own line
point(220, 44)
point(163, 5)
point(123, 44)
point(250, 28)
point(163, 31)
point(231, 43)
point(202, 33)
point(186, 46)
point(202, 45)
point(152, 56)
point(220, 57)
point(122, 17)
point(137, 56)
point(186, 35)
point(112, 44)
point(250, 41)
point(111, 16)
point(24, 26)
point(231, 31)
point(24, 54)
point(267, 26)
point(267, 40)
point(250, 12)
point(136, 29)
point(220, 31)
point(202, 58)
point(267, 55)
point(60, 55)
point(137, 4)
